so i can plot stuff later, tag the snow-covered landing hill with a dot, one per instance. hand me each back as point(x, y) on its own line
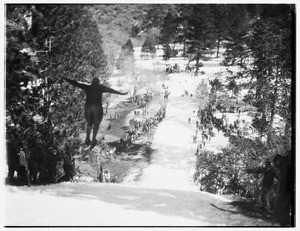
point(90, 204)
point(163, 196)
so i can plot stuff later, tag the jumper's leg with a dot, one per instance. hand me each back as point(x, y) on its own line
point(89, 116)
point(88, 133)
point(96, 124)
point(95, 132)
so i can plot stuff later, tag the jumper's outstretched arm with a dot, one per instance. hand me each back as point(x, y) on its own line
point(75, 83)
point(110, 90)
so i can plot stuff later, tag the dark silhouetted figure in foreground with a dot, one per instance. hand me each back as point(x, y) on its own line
point(68, 164)
point(23, 167)
point(269, 175)
point(93, 106)
point(282, 208)
point(12, 160)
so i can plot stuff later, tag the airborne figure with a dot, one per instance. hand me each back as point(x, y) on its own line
point(93, 106)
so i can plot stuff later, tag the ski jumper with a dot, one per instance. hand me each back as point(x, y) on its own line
point(93, 106)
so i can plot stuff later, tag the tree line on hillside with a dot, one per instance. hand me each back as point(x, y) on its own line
point(258, 39)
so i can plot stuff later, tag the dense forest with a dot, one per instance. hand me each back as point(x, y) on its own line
point(47, 42)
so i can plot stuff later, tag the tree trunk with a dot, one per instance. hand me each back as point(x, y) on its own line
point(287, 128)
point(218, 47)
point(184, 47)
point(134, 92)
point(273, 105)
point(197, 63)
point(197, 66)
point(270, 135)
point(258, 92)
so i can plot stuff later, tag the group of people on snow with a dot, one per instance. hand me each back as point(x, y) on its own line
point(142, 100)
point(138, 128)
point(27, 167)
point(173, 69)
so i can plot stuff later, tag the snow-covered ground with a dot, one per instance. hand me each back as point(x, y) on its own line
point(173, 161)
point(164, 195)
point(90, 204)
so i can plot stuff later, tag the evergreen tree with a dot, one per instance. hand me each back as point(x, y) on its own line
point(271, 49)
point(200, 36)
point(168, 29)
point(168, 35)
point(156, 14)
point(221, 22)
point(125, 60)
point(167, 52)
point(268, 43)
point(202, 94)
point(238, 31)
point(45, 42)
point(184, 13)
point(148, 48)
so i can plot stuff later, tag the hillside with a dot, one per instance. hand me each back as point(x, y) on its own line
point(90, 204)
point(162, 194)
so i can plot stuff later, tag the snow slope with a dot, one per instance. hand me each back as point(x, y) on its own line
point(88, 204)
point(164, 195)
